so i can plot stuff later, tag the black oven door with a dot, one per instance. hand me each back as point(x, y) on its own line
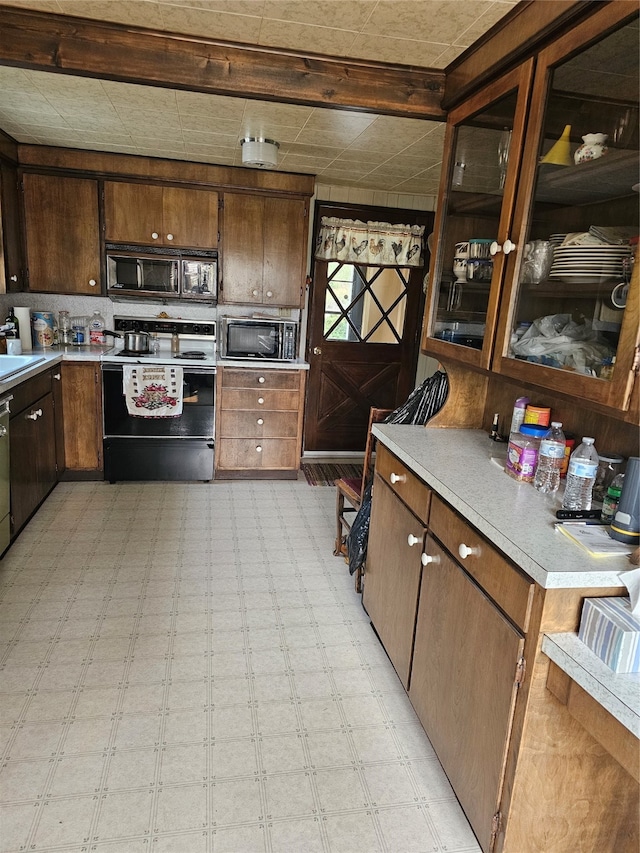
point(159, 448)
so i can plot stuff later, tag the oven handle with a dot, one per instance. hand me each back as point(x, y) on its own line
point(118, 365)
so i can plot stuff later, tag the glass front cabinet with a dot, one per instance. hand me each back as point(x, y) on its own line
point(533, 273)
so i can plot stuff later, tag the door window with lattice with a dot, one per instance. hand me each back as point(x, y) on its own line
point(365, 304)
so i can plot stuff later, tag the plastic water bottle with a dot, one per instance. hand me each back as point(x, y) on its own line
point(581, 476)
point(550, 456)
point(96, 329)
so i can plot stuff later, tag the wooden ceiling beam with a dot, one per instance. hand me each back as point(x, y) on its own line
point(59, 43)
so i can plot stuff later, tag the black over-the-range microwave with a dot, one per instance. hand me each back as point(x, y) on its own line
point(161, 273)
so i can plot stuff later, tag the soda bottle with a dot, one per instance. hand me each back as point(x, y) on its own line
point(581, 476)
point(550, 456)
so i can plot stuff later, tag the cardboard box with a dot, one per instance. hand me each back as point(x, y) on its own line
point(608, 628)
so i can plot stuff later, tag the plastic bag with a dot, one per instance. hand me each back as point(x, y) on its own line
point(359, 534)
point(558, 341)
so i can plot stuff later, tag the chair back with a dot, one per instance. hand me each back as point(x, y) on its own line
point(376, 416)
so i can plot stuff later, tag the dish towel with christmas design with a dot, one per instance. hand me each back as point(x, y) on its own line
point(152, 390)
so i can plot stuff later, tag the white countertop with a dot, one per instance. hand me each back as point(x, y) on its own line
point(46, 357)
point(513, 516)
point(618, 693)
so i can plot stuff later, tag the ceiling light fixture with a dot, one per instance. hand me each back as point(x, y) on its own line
point(259, 152)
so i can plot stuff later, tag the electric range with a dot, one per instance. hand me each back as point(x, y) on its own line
point(196, 342)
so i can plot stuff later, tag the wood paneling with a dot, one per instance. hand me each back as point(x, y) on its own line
point(115, 52)
point(154, 168)
point(252, 378)
point(82, 405)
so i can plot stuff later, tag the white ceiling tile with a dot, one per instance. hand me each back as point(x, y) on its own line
point(322, 13)
point(210, 24)
point(327, 40)
point(408, 51)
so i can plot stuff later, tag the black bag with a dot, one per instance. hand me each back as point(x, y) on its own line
point(359, 533)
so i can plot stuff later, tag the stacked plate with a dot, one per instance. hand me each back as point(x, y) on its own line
point(588, 264)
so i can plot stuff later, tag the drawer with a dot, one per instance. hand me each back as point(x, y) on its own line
point(405, 484)
point(507, 585)
point(251, 454)
point(268, 424)
point(251, 378)
point(259, 400)
point(29, 392)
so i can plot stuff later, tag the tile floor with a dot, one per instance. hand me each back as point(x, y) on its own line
point(185, 668)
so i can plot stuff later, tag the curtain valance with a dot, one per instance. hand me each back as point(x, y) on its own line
point(374, 243)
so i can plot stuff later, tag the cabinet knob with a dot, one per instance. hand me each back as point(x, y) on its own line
point(92, 282)
point(413, 540)
point(507, 247)
point(260, 401)
point(261, 380)
point(154, 235)
point(269, 294)
point(260, 421)
point(425, 559)
point(34, 415)
point(169, 236)
point(397, 478)
point(3, 431)
point(258, 448)
point(14, 278)
point(254, 292)
point(57, 376)
point(465, 551)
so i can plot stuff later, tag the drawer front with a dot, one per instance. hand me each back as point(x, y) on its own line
point(415, 494)
point(259, 400)
point(502, 581)
point(29, 392)
point(258, 424)
point(251, 378)
point(251, 454)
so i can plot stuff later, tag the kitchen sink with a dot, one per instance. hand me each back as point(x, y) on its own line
point(10, 364)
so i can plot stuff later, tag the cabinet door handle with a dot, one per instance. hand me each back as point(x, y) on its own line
point(57, 376)
point(154, 235)
point(507, 247)
point(259, 448)
point(261, 380)
point(269, 294)
point(34, 415)
point(397, 478)
point(14, 278)
point(413, 540)
point(254, 292)
point(3, 431)
point(169, 236)
point(260, 401)
point(92, 282)
point(465, 551)
point(260, 421)
point(425, 559)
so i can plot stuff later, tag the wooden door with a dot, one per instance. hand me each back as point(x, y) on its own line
point(132, 213)
point(286, 222)
point(62, 234)
point(190, 217)
point(82, 406)
point(362, 343)
point(463, 685)
point(392, 576)
point(242, 249)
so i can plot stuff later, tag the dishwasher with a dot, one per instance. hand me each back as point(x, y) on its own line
point(5, 485)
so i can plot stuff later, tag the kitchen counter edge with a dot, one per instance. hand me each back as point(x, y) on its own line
point(514, 517)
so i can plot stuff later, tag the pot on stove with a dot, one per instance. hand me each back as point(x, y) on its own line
point(133, 341)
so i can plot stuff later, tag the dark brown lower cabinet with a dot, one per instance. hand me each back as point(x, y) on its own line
point(392, 578)
point(32, 434)
point(463, 684)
